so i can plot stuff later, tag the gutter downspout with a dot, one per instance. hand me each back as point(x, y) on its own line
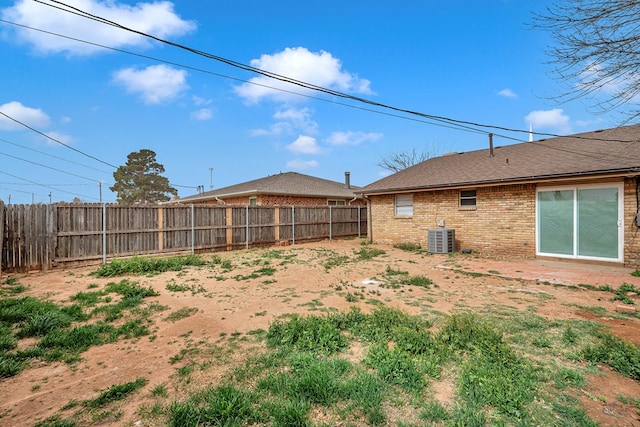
point(220, 201)
point(369, 219)
point(353, 200)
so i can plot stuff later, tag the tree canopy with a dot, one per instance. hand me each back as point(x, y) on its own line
point(597, 51)
point(140, 180)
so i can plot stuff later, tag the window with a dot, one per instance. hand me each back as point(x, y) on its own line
point(336, 203)
point(253, 201)
point(468, 198)
point(404, 205)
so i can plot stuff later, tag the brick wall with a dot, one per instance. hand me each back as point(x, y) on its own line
point(631, 232)
point(503, 222)
point(502, 225)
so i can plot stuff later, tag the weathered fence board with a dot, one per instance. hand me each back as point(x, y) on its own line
point(44, 236)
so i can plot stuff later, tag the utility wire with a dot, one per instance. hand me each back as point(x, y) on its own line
point(48, 167)
point(74, 10)
point(455, 126)
point(55, 140)
point(200, 70)
point(51, 155)
point(46, 186)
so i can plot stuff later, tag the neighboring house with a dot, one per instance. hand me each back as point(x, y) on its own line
point(283, 189)
point(568, 197)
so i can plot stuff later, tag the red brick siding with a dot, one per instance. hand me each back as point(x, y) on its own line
point(274, 200)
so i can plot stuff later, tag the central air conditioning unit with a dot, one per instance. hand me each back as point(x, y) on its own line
point(441, 240)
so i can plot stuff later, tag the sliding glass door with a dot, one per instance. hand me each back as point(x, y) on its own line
point(580, 222)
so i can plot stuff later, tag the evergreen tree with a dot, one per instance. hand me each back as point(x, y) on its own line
point(139, 180)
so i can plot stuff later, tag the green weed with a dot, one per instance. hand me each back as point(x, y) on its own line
point(115, 393)
point(147, 266)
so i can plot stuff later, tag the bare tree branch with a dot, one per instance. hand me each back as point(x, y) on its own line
point(396, 162)
point(597, 51)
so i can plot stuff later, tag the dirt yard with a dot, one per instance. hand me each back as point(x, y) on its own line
point(230, 303)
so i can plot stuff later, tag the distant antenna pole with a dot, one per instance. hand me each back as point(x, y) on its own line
point(210, 178)
point(530, 132)
point(49, 197)
point(100, 184)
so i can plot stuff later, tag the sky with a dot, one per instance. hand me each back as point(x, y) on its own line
point(78, 96)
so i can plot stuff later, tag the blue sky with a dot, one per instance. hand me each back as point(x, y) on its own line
point(213, 124)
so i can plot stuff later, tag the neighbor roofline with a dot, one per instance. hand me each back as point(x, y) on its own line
point(612, 173)
point(258, 193)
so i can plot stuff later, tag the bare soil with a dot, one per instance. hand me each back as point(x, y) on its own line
point(226, 305)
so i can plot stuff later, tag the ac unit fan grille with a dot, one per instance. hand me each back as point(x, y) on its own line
point(441, 240)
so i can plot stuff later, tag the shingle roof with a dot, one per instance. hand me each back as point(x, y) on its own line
point(286, 183)
point(602, 152)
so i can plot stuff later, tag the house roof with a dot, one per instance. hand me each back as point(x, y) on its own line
point(597, 153)
point(286, 183)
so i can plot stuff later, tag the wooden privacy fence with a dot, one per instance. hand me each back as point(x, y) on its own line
point(40, 237)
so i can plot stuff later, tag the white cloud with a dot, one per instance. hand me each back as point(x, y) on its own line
point(34, 117)
point(156, 83)
point(318, 68)
point(304, 145)
point(352, 138)
point(201, 101)
point(554, 120)
point(202, 114)
point(156, 18)
point(288, 121)
point(299, 164)
point(507, 93)
point(298, 118)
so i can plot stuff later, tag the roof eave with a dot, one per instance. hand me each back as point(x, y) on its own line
point(626, 172)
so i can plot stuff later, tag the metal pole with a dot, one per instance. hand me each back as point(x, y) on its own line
point(293, 225)
point(359, 221)
point(104, 233)
point(329, 222)
point(193, 231)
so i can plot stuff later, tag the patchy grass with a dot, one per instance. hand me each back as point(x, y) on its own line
point(64, 332)
point(147, 266)
point(306, 369)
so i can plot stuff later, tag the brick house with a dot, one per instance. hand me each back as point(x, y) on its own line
point(283, 189)
point(574, 197)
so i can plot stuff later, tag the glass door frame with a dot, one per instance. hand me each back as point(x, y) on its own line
point(574, 188)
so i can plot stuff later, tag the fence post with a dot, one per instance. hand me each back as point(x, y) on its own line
point(330, 223)
point(193, 230)
point(104, 233)
point(293, 225)
point(276, 225)
point(160, 229)
point(359, 221)
point(246, 220)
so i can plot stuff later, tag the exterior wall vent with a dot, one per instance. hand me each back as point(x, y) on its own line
point(441, 240)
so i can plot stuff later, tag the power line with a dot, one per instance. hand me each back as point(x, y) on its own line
point(76, 11)
point(200, 70)
point(47, 186)
point(51, 155)
point(57, 141)
point(49, 167)
point(425, 118)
